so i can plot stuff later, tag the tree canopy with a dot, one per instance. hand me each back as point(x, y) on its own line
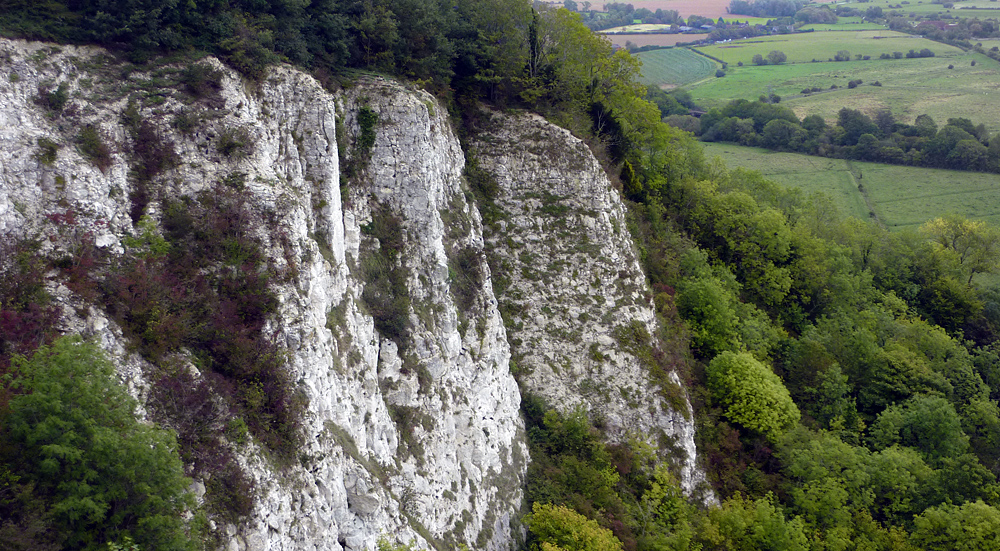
point(71, 433)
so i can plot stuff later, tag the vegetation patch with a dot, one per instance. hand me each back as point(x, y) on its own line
point(93, 146)
point(364, 141)
point(151, 155)
point(47, 151)
point(235, 143)
point(386, 294)
point(466, 276)
point(407, 419)
point(53, 99)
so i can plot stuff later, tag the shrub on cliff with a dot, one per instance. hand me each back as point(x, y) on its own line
point(71, 432)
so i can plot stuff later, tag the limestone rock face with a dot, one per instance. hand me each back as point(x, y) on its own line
point(449, 467)
point(580, 313)
point(411, 436)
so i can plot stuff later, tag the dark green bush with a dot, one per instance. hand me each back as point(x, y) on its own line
point(47, 150)
point(185, 121)
point(93, 147)
point(367, 119)
point(54, 99)
point(73, 434)
point(386, 293)
point(235, 143)
point(203, 82)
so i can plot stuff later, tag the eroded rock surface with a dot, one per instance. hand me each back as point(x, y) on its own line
point(581, 317)
point(452, 467)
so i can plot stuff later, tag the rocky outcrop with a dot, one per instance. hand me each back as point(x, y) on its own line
point(582, 324)
point(423, 446)
point(412, 429)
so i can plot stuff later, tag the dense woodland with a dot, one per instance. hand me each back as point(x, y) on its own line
point(845, 378)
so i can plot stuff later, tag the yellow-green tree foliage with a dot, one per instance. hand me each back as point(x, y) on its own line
point(973, 246)
point(751, 394)
point(974, 525)
point(557, 528)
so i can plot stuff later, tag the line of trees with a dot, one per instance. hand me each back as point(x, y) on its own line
point(959, 144)
point(765, 8)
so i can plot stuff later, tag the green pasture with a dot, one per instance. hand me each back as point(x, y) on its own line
point(961, 8)
point(675, 66)
point(637, 29)
point(823, 46)
point(728, 18)
point(910, 87)
point(902, 197)
point(831, 177)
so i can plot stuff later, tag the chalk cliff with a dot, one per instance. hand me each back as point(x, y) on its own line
point(410, 436)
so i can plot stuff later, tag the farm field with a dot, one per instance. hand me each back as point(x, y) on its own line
point(961, 8)
point(902, 197)
point(822, 46)
point(910, 87)
point(654, 39)
point(843, 26)
point(676, 66)
point(685, 8)
point(640, 28)
point(810, 174)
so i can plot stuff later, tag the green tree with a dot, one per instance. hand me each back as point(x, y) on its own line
point(742, 524)
point(631, 185)
point(973, 244)
point(969, 155)
point(974, 525)
point(557, 528)
point(377, 31)
point(855, 123)
point(782, 134)
point(751, 394)
point(776, 57)
point(706, 300)
point(758, 59)
point(73, 434)
point(928, 423)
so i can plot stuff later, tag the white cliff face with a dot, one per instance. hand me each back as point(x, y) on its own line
point(455, 472)
point(409, 438)
point(581, 318)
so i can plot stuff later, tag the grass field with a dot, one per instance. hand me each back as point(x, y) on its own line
point(961, 8)
point(844, 26)
point(822, 46)
point(902, 197)
point(641, 28)
point(734, 18)
point(910, 87)
point(654, 39)
point(676, 66)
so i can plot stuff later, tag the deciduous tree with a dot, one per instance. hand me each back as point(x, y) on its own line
point(751, 394)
